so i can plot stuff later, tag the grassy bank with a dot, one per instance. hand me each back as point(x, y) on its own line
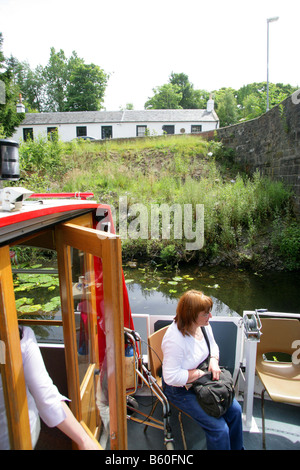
point(247, 221)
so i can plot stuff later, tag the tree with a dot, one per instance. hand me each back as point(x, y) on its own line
point(178, 93)
point(167, 96)
point(31, 83)
point(85, 88)
point(191, 99)
point(9, 118)
point(226, 105)
point(258, 93)
point(64, 84)
point(251, 107)
point(56, 77)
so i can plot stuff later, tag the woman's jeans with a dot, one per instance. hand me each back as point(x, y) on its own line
point(224, 433)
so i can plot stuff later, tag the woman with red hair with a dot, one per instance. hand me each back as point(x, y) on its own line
point(184, 349)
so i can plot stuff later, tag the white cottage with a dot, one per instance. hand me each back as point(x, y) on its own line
point(118, 124)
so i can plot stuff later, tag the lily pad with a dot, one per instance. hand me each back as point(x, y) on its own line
point(30, 308)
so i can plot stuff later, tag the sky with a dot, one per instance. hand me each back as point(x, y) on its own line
point(215, 43)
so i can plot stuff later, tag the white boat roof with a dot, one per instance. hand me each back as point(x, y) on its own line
point(37, 214)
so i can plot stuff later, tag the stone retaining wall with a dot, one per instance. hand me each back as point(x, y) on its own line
point(269, 143)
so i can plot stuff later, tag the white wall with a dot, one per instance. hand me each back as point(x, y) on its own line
point(67, 132)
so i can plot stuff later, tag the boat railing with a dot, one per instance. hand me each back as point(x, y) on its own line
point(76, 195)
point(248, 381)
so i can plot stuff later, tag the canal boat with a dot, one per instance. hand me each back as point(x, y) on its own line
point(93, 311)
point(97, 351)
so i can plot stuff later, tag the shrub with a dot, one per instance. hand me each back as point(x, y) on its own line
point(41, 155)
point(288, 242)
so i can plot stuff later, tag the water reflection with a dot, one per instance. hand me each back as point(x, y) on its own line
point(158, 303)
point(154, 291)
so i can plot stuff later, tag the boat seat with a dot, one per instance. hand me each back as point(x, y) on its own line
point(280, 379)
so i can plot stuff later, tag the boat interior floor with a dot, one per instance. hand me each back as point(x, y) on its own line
point(282, 429)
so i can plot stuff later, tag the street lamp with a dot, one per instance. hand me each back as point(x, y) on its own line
point(269, 20)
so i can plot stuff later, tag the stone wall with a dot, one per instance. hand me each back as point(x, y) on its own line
point(270, 143)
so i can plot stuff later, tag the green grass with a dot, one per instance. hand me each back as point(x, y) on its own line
point(172, 170)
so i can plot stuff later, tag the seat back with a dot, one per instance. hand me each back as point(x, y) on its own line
point(155, 353)
point(278, 335)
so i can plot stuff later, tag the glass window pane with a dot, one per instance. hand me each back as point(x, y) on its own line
point(36, 286)
point(82, 285)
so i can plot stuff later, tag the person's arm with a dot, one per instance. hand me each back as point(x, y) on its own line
point(50, 403)
point(214, 368)
point(73, 429)
point(173, 374)
point(195, 374)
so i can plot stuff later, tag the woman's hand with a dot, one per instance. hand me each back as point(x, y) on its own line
point(214, 368)
point(195, 374)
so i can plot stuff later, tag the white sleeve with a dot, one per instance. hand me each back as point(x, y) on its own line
point(45, 393)
point(173, 355)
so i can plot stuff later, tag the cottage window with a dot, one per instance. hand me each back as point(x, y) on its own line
point(81, 131)
point(195, 129)
point(141, 131)
point(52, 133)
point(106, 132)
point(27, 134)
point(168, 129)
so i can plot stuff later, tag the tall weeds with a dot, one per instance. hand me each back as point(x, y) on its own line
point(173, 170)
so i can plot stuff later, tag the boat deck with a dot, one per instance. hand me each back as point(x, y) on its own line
point(282, 429)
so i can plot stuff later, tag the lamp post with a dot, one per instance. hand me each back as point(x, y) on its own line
point(269, 20)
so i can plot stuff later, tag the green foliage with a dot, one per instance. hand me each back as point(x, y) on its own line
point(9, 118)
point(168, 254)
point(64, 84)
point(85, 88)
point(190, 98)
point(41, 157)
point(226, 107)
point(167, 96)
point(171, 170)
point(287, 239)
point(232, 106)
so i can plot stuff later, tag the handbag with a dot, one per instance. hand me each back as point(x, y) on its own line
point(214, 396)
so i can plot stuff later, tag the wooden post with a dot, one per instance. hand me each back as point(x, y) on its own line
point(14, 380)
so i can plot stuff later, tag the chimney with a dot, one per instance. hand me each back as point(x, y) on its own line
point(20, 105)
point(210, 104)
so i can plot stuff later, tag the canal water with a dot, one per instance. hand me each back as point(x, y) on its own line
point(156, 290)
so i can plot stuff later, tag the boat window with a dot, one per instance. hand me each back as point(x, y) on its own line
point(36, 287)
point(83, 282)
point(87, 288)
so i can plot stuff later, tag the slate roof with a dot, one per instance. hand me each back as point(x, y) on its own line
point(149, 115)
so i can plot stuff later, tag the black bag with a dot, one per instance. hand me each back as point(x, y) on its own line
point(214, 396)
